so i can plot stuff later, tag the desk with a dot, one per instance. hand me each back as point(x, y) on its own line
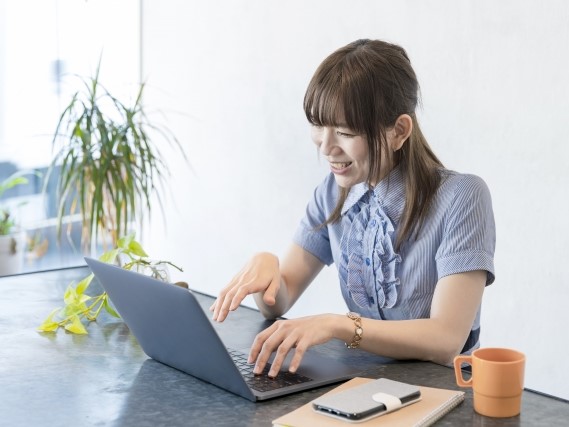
point(105, 379)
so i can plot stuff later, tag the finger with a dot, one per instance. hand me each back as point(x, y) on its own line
point(228, 292)
point(218, 303)
point(263, 358)
point(240, 294)
point(221, 308)
point(233, 299)
point(280, 356)
point(258, 343)
point(270, 341)
point(216, 306)
point(297, 357)
point(270, 295)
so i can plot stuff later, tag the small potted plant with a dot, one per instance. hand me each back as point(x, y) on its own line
point(12, 237)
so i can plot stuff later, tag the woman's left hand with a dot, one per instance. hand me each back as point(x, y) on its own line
point(284, 335)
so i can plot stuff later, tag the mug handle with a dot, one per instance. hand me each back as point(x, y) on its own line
point(458, 361)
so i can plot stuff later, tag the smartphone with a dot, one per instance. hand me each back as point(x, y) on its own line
point(368, 400)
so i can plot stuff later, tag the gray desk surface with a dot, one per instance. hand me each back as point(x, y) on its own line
point(104, 378)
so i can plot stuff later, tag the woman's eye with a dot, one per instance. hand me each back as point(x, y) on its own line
point(344, 134)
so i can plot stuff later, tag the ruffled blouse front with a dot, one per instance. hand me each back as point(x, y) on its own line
point(369, 264)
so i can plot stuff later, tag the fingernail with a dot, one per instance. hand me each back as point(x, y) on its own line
point(292, 369)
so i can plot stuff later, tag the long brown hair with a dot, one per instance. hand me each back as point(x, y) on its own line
point(370, 83)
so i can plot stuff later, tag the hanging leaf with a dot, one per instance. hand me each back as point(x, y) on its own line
point(76, 326)
point(110, 256)
point(136, 249)
point(110, 309)
point(80, 306)
point(84, 284)
point(48, 324)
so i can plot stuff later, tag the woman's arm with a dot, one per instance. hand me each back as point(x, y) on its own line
point(274, 285)
point(297, 270)
point(438, 338)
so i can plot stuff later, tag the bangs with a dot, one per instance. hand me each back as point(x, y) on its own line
point(331, 99)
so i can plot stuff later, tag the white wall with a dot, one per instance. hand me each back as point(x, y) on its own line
point(231, 75)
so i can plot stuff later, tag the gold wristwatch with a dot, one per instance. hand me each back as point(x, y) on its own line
point(358, 332)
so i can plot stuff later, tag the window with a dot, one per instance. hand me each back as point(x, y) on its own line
point(44, 46)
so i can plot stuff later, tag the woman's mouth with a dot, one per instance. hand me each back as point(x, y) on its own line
point(339, 166)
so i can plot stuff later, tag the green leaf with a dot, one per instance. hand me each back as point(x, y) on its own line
point(48, 324)
point(48, 327)
point(110, 309)
point(84, 284)
point(75, 326)
point(136, 249)
point(124, 242)
point(74, 308)
point(70, 295)
point(110, 256)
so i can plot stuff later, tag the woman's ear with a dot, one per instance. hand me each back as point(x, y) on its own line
point(400, 131)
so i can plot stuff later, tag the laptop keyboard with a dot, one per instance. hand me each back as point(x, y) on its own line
point(262, 382)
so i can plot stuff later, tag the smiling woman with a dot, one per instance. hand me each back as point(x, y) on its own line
point(413, 242)
point(35, 86)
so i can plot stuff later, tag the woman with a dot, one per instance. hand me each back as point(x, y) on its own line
point(413, 241)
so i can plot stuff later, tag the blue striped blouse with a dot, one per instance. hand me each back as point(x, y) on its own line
point(378, 282)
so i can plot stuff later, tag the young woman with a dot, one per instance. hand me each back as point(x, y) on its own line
point(413, 242)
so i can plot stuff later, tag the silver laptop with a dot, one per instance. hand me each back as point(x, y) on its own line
point(172, 328)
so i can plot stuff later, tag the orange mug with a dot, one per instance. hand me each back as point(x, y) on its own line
point(497, 380)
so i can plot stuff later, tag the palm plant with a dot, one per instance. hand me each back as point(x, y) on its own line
point(110, 166)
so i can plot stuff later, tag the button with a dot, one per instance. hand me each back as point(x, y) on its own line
point(368, 261)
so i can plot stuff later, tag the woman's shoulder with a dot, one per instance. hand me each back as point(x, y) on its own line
point(327, 188)
point(456, 182)
point(462, 189)
point(325, 195)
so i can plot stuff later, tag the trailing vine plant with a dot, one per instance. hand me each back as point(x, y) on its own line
point(80, 307)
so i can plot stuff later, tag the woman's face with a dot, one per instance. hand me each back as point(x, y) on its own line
point(346, 151)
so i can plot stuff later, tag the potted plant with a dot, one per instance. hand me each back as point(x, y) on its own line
point(12, 238)
point(109, 167)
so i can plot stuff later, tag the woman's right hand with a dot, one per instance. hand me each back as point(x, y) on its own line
point(260, 275)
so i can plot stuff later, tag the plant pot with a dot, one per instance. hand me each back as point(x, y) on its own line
point(12, 253)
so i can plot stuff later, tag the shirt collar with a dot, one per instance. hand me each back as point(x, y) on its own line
point(390, 194)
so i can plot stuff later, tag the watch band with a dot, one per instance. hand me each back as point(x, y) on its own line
point(358, 332)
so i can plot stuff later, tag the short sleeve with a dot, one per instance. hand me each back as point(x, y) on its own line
point(310, 234)
point(469, 237)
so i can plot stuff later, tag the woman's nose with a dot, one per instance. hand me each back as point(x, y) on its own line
point(327, 142)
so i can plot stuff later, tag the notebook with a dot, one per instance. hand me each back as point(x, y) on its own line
point(172, 328)
point(435, 403)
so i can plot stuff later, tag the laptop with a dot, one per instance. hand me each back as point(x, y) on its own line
point(172, 328)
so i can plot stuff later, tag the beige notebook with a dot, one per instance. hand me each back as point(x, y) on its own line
point(434, 404)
